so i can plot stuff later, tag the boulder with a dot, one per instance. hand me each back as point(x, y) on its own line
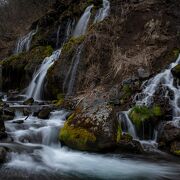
point(170, 131)
point(169, 137)
point(44, 113)
point(29, 101)
point(92, 127)
point(26, 112)
point(2, 154)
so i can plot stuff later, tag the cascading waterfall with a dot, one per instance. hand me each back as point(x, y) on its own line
point(36, 86)
point(82, 24)
point(24, 42)
point(103, 12)
point(73, 71)
point(164, 79)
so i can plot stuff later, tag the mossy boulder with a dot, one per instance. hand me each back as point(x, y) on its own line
point(29, 101)
point(17, 70)
point(92, 127)
point(176, 71)
point(44, 113)
point(146, 119)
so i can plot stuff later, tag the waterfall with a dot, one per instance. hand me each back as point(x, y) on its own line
point(24, 42)
point(103, 12)
point(36, 86)
point(164, 79)
point(73, 70)
point(82, 24)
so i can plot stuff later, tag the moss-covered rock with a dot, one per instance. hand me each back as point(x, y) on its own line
point(145, 119)
point(17, 70)
point(92, 127)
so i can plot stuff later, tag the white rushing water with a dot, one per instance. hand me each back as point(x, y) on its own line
point(166, 80)
point(82, 24)
point(24, 42)
point(37, 151)
point(35, 88)
point(102, 12)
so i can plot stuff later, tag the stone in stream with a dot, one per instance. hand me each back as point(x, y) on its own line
point(18, 121)
point(44, 113)
point(29, 101)
point(2, 154)
point(92, 127)
point(26, 112)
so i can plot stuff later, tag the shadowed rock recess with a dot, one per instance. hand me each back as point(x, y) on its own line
point(98, 76)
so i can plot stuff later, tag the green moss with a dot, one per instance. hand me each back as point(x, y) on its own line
point(140, 114)
point(177, 152)
point(76, 137)
point(119, 133)
point(59, 101)
point(127, 92)
point(71, 43)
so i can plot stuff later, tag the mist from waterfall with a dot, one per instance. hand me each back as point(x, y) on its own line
point(102, 12)
point(82, 24)
point(24, 42)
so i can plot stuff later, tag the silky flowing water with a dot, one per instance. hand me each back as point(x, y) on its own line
point(36, 153)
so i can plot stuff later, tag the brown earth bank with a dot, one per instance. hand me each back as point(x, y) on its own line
point(138, 39)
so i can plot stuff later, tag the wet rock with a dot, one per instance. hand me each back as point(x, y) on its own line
point(26, 112)
point(44, 113)
point(2, 154)
point(18, 121)
point(9, 112)
point(170, 131)
point(29, 101)
point(92, 127)
point(132, 146)
point(176, 71)
point(175, 148)
point(2, 130)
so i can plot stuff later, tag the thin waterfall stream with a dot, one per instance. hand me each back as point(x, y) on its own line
point(24, 42)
